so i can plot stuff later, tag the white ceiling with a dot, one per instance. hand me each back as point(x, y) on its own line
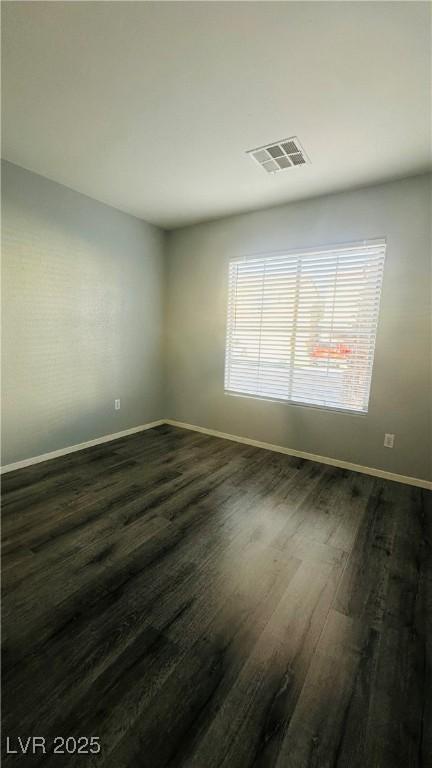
point(150, 107)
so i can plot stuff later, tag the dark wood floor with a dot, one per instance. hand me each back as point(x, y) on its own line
point(196, 603)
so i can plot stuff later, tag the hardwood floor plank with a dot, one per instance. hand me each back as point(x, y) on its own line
point(362, 592)
point(361, 684)
point(246, 723)
point(338, 677)
point(423, 628)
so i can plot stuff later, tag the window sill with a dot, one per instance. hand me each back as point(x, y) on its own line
point(282, 401)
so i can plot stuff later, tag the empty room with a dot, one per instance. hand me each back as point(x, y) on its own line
point(216, 449)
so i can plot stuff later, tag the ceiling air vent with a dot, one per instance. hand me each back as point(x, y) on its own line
point(280, 155)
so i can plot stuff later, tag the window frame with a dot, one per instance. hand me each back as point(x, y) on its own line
point(310, 251)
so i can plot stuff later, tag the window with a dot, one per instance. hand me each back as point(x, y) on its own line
point(302, 325)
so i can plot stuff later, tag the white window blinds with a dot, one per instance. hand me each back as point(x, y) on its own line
point(302, 325)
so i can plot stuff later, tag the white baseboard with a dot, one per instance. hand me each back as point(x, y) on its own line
point(310, 456)
point(215, 433)
point(78, 447)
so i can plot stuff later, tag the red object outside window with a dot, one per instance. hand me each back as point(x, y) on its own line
point(333, 351)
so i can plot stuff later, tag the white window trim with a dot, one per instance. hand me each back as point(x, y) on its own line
point(314, 251)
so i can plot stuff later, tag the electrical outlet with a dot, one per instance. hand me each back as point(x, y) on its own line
point(389, 440)
point(117, 404)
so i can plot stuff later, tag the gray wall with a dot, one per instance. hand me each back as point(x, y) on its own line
point(400, 400)
point(82, 317)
